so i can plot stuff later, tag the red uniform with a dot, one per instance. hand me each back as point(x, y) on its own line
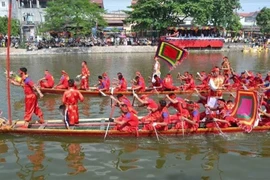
point(152, 116)
point(122, 85)
point(131, 123)
point(70, 99)
point(31, 101)
point(107, 81)
point(157, 83)
point(195, 117)
point(85, 78)
point(48, 82)
point(126, 101)
point(163, 116)
point(63, 82)
point(179, 107)
point(168, 84)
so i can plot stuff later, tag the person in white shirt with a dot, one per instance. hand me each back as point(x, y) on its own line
point(156, 69)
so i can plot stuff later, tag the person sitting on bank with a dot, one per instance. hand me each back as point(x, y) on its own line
point(127, 122)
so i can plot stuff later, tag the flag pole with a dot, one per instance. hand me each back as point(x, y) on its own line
point(8, 61)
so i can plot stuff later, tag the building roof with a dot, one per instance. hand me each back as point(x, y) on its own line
point(99, 2)
point(133, 2)
point(250, 14)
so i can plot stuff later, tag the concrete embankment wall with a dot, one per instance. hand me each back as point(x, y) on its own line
point(108, 49)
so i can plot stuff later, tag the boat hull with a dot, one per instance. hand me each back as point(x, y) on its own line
point(86, 129)
point(129, 92)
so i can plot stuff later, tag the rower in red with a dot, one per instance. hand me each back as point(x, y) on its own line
point(85, 74)
point(124, 100)
point(157, 84)
point(122, 83)
point(162, 119)
point(102, 85)
point(31, 99)
point(151, 105)
point(63, 83)
point(139, 85)
point(107, 80)
point(190, 122)
point(47, 81)
point(179, 105)
point(127, 122)
point(70, 100)
point(168, 83)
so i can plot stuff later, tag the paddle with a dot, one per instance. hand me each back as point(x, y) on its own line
point(112, 90)
point(134, 94)
point(102, 93)
point(108, 126)
point(154, 126)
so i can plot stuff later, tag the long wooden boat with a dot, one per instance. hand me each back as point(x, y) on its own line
point(94, 92)
point(97, 128)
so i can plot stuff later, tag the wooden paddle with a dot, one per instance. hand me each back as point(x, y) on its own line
point(107, 129)
point(133, 100)
point(154, 126)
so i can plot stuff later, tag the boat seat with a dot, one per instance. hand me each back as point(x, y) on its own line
point(102, 127)
point(42, 126)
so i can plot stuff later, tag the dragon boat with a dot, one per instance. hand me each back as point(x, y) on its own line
point(94, 92)
point(245, 110)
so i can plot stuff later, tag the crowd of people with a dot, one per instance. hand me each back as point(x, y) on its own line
point(216, 113)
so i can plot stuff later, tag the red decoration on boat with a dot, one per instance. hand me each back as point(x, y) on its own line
point(246, 109)
point(171, 54)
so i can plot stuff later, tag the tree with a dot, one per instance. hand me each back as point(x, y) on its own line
point(15, 26)
point(234, 24)
point(263, 20)
point(76, 16)
point(160, 14)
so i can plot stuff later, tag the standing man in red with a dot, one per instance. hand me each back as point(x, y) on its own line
point(47, 81)
point(85, 76)
point(70, 100)
point(31, 99)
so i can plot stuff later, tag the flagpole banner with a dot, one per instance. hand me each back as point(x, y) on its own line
point(246, 109)
point(171, 54)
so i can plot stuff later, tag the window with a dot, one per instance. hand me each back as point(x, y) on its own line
point(3, 4)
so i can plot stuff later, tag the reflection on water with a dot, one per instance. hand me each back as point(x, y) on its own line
point(74, 158)
point(200, 157)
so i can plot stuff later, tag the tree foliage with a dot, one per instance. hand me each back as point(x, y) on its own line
point(263, 20)
point(76, 16)
point(15, 26)
point(160, 14)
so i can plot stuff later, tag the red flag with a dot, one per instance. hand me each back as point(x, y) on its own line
point(246, 109)
point(170, 53)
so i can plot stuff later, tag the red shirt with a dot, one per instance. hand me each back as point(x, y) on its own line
point(64, 81)
point(164, 116)
point(123, 85)
point(28, 86)
point(107, 81)
point(151, 104)
point(85, 71)
point(50, 80)
point(178, 106)
point(71, 97)
point(130, 119)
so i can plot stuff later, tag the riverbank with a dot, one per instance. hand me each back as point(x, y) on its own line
point(109, 49)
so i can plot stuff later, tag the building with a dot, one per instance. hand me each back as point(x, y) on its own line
point(4, 8)
point(99, 2)
point(248, 21)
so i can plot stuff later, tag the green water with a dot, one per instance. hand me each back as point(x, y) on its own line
point(240, 156)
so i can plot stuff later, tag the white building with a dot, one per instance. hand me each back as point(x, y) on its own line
point(248, 21)
point(4, 4)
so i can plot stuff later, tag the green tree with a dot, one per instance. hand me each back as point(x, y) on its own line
point(76, 16)
point(160, 14)
point(234, 24)
point(263, 20)
point(15, 26)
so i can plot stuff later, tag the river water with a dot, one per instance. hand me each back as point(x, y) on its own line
point(238, 156)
